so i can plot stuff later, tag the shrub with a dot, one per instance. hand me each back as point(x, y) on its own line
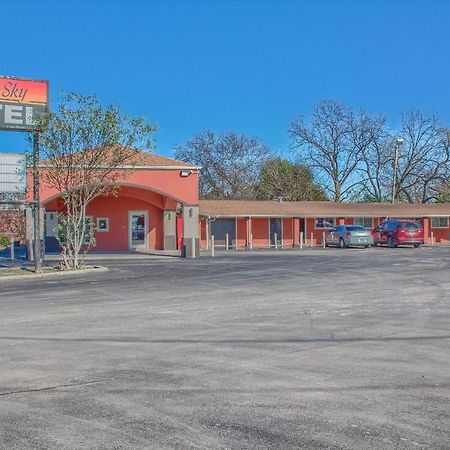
point(4, 241)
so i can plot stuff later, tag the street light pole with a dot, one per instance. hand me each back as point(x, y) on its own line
point(36, 208)
point(398, 143)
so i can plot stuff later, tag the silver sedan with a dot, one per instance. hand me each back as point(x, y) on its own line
point(349, 236)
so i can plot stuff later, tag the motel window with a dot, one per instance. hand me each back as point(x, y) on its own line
point(439, 222)
point(365, 222)
point(324, 222)
point(102, 224)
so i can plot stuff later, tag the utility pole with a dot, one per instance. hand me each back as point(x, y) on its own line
point(37, 207)
point(398, 143)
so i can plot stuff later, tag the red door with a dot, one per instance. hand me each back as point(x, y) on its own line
point(179, 231)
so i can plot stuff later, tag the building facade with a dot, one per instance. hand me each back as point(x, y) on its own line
point(157, 207)
point(264, 224)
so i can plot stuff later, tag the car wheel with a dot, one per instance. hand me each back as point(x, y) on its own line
point(366, 246)
point(375, 244)
point(341, 243)
point(390, 242)
point(416, 245)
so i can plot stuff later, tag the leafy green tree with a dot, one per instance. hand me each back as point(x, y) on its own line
point(84, 146)
point(292, 181)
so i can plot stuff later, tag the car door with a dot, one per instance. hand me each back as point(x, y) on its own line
point(386, 231)
point(331, 237)
point(377, 233)
point(339, 233)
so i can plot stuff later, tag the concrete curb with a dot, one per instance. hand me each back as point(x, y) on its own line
point(32, 275)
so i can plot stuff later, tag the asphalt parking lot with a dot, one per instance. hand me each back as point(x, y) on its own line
point(296, 349)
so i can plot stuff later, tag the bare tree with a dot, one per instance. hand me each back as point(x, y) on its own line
point(373, 144)
point(230, 163)
point(423, 160)
point(325, 144)
point(84, 146)
point(354, 154)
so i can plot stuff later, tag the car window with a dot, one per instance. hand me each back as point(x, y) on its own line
point(391, 225)
point(409, 225)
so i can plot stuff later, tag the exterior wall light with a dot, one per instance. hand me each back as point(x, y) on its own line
point(191, 212)
point(185, 173)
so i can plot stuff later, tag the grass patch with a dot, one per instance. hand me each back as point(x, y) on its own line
point(6, 272)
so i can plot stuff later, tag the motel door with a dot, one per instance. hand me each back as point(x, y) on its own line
point(138, 230)
point(50, 225)
point(220, 228)
point(275, 228)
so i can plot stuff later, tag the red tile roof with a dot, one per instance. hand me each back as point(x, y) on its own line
point(138, 158)
point(150, 159)
point(247, 208)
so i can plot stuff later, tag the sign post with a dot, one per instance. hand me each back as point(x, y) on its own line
point(37, 206)
point(22, 101)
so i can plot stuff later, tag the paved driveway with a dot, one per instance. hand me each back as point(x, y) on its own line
point(300, 349)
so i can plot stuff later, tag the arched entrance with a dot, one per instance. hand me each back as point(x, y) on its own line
point(134, 218)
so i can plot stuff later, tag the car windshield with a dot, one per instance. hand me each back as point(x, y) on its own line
point(355, 228)
point(409, 225)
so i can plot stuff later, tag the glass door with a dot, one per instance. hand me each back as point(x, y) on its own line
point(138, 227)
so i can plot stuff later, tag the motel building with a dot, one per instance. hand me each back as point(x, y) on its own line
point(264, 224)
point(157, 208)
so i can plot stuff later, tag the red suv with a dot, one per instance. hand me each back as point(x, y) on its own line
point(398, 232)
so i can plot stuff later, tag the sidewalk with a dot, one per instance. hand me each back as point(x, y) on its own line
point(120, 255)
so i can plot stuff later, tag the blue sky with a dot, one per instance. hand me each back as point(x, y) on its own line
point(249, 66)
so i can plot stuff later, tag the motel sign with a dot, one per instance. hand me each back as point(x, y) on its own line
point(21, 102)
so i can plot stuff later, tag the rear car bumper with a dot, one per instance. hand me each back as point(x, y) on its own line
point(360, 241)
point(408, 241)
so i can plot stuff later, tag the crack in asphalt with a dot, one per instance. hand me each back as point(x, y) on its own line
point(49, 388)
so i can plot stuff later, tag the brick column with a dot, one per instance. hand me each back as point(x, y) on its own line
point(296, 231)
point(190, 231)
point(170, 230)
point(426, 229)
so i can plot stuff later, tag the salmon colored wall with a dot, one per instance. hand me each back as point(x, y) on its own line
point(310, 229)
point(166, 182)
point(241, 232)
point(440, 234)
point(260, 231)
point(117, 208)
point(287, 231)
